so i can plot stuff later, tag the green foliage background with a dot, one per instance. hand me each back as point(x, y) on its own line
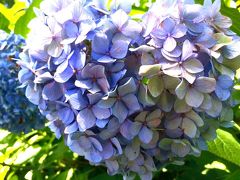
point(39, 155)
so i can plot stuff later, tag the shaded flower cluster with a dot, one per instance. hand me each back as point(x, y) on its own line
point(16, 113)
point(131, 95)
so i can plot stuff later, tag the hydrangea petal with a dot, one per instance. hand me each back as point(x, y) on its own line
point(86, 119)
point(194, 98)
point(180, 106)
point(120, 111)
point(101, 113)
point(145, 135)
point(169, 44)
point(173, 123)
point(180, 149)
point(179, 31)
point(193, 66)
point(132, 103)
point(52, 91)
point(187, 50)
point(119, 49)
point(127, 88)
point(189, 127)
point(100, 43)
point(205, 84)
point(181, 89)
point(66, 115)
point(119, 18)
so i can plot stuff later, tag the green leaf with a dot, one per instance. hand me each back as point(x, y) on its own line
point(3, 171)
point(234, 15)
point(8, 3)
point(226, 147)
point(234, 176)
point(22, 23)
point(4, 23)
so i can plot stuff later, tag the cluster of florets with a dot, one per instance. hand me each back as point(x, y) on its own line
point(16, 113)
point(131, 95)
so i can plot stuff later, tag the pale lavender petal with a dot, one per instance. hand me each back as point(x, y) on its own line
point(86, 119)
point(145, 135)
point(101, 113)
point(168, 25)
point(52, 91)
point(170, 44)
point(132, 103)
point(119, 49)
point(119, 18)
point(120, 111)
point(179, 31)
point(100, 43)
point(66, 115)
point(127, 88)
point(187, 50)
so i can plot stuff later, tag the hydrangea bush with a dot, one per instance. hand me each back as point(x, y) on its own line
point(17, 114)
point(132, 95)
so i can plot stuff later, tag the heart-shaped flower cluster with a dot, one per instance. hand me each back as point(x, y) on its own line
point(17, 114)
point(131, 95)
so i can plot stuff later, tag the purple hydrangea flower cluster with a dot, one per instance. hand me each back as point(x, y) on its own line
point(131, 95)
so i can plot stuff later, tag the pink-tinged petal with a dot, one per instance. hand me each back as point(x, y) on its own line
point(150, 20)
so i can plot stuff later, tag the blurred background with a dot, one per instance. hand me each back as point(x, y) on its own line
point(26, 153)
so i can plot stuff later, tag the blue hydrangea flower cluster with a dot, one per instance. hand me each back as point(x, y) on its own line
point(131, 95)
point(16, 113)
